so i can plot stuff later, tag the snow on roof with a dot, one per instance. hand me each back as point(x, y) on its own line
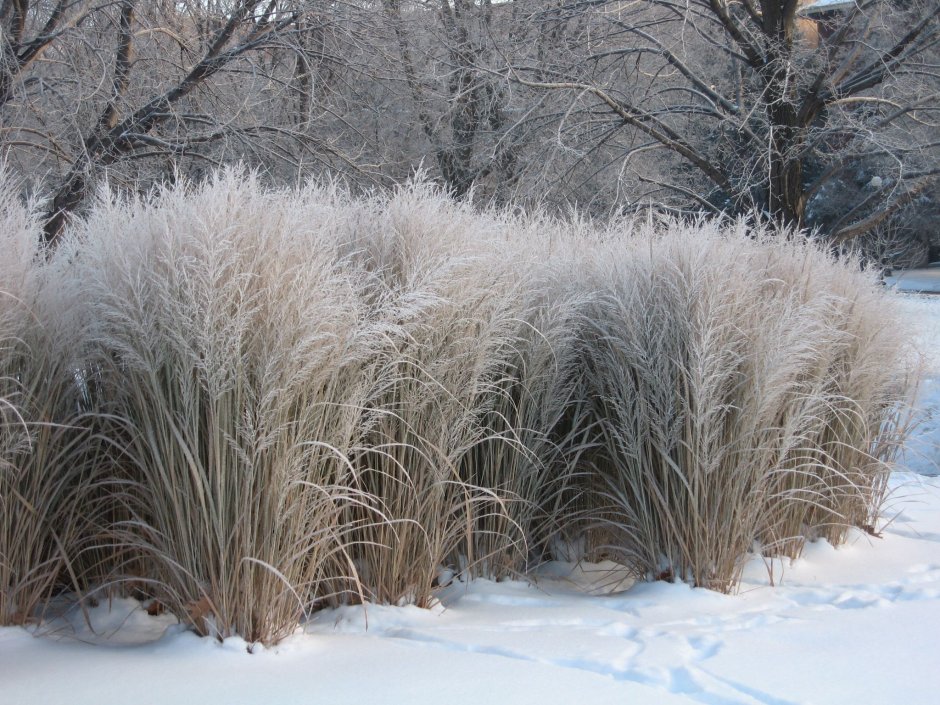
point(820, 6)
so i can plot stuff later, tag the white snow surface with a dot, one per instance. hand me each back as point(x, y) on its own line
point(856, 624)
point(922, 452)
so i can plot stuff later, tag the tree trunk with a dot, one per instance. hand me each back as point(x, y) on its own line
point(786, 201)
point(785, 198)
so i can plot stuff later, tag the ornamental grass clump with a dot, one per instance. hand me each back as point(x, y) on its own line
point(851, 394)
point(745, 392)
point(49, 459)
point(536, 424)
point(524, 452)
point(228, 342)
point(456, 447)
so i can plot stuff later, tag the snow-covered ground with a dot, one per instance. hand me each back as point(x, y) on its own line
point(858, 624)
point(921, 453)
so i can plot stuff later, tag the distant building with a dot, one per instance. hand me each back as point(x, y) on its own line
point(818, 19)
point(823, 9)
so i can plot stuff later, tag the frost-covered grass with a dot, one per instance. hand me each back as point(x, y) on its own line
point(49, 461)
point(743, 389)
point(274, 401)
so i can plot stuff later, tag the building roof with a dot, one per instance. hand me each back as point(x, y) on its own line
point(819, 7)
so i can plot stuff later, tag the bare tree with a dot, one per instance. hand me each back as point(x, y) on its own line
point(819, 118)
point(752, 105)
point(139, 89)
point(446, 51)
